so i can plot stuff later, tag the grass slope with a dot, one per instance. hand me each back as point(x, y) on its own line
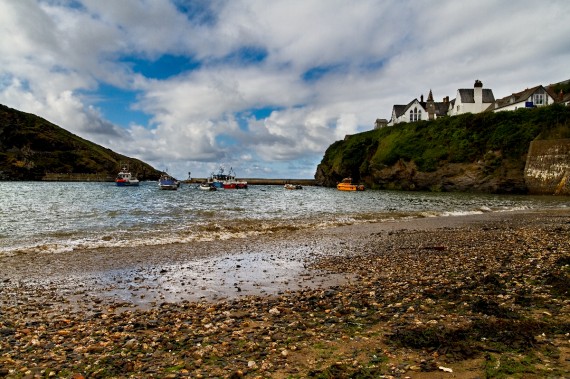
point(31, 146)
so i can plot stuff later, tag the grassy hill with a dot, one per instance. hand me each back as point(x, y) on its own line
point(441, 154)
point(31, 147)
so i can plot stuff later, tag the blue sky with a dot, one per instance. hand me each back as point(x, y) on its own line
point(261, 86)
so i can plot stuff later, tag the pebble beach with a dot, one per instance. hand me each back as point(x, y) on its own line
point(476, 296)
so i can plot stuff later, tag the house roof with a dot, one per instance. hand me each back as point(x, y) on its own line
point(399, 110)
point(468, 95)
point(441, 108)
point(519, 97)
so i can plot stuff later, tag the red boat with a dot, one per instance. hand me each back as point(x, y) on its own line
point(231, 182)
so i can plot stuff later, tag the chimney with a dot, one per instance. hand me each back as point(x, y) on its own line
point(478, 92)
point(421, 98)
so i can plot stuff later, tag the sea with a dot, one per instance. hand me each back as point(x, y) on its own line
point(58, 217)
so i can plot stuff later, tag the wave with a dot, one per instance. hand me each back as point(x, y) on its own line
point(61, 242)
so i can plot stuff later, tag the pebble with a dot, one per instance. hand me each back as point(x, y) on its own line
point(394, 284)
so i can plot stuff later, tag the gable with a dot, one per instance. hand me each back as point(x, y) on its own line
point(416, 103)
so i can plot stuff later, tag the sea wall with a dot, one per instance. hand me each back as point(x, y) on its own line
point(547, 167)
point(74, 177)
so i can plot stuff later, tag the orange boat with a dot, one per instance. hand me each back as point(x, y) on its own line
point(346, 185)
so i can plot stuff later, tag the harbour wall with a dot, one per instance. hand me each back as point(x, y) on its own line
point(258, 181)
point(547, 168)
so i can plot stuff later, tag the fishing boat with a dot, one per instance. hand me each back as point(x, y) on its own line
point(233, 183)
point(226, 181)
point(347, 185)
point(290, 186)
point(217, 180)
point(125, 178)
point(207, 187)
point(167, 182)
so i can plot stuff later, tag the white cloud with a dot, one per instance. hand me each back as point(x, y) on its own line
point(366, 56)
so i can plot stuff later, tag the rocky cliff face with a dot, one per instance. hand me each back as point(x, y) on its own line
point(451, 177)
point(547, 169)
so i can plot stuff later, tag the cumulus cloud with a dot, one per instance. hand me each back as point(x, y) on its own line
point(263, 86)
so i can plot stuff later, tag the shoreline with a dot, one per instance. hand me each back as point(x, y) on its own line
point(145, 276)
point(363, 291)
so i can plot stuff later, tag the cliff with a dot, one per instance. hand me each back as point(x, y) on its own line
point(32, 148)
point(484, 152)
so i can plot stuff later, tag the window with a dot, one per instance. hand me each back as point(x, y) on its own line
point(538, 99)
point(415, 115)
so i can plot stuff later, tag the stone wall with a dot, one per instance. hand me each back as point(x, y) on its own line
point(547, 169)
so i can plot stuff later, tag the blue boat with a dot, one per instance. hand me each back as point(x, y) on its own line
point(167, 182)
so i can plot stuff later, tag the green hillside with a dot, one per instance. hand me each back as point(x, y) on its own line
point(496, 142)
point(31, 147)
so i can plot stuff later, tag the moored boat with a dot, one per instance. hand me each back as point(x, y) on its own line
point(167, 182)
point(207, 187)
point(125, 178)
point(347, 185)
point(217, 180)
point(233, 183)
point(226, 181)
point(290, 186)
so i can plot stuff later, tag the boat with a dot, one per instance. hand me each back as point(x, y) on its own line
point(125, 178)
point(290, 186)
point(167, 182)
point(217, 180)
point(347, 185)
point(226, 181)
point(207, 186)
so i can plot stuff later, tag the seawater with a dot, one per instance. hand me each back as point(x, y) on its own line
point(57, 217)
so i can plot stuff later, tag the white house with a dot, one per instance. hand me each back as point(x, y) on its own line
point(419, 110)
point(529, 98)
point(474, 100)
point(413, 111)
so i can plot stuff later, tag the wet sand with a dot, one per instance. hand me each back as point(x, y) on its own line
point(143, 277)
point(378, 280)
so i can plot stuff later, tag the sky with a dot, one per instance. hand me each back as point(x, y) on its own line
point(260, 86)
